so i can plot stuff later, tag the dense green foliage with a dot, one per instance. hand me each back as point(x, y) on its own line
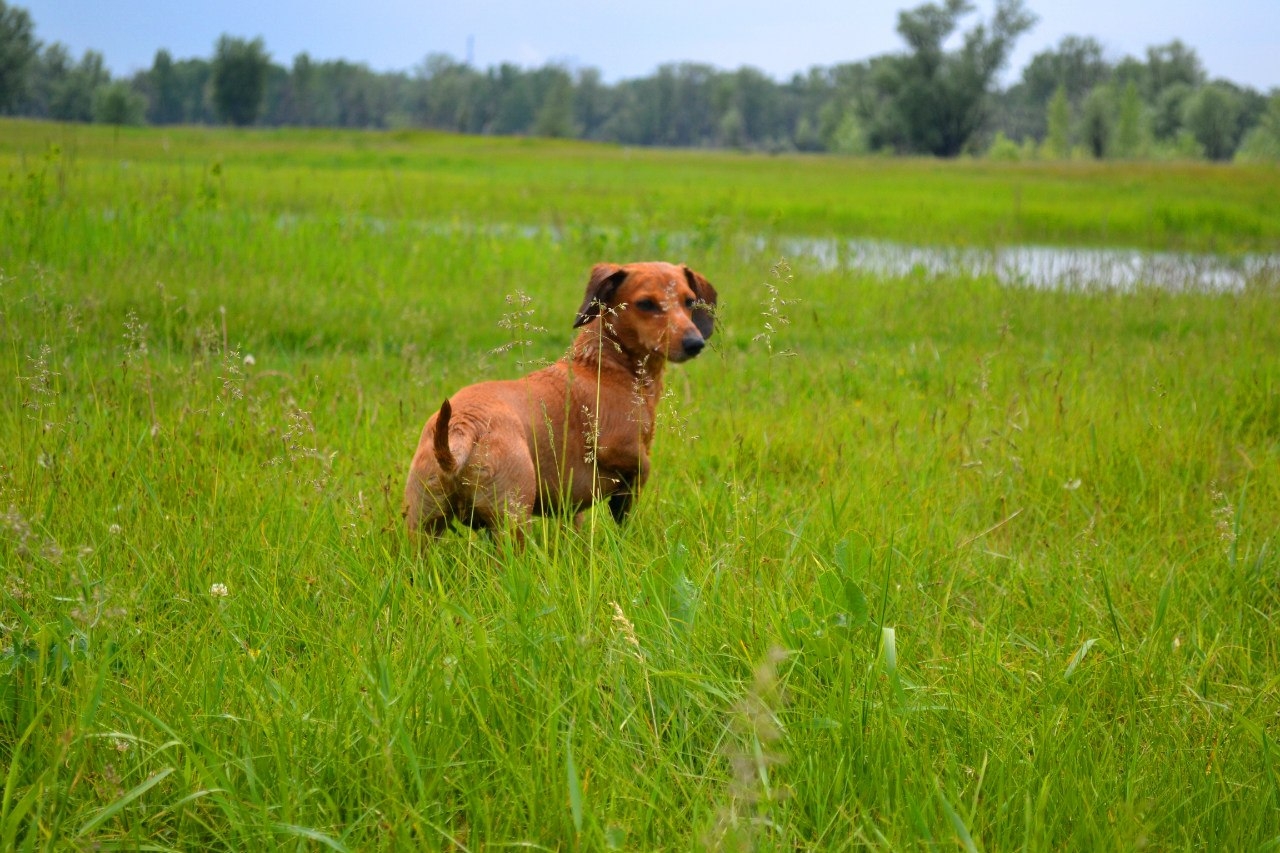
point(239, 79)
point(17, 53)
point(926, 561)
point(925, 99)
point(933, 101)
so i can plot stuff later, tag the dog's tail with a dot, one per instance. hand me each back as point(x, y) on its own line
point(440, 441)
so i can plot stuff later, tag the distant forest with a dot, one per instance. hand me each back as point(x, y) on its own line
point(938, 96)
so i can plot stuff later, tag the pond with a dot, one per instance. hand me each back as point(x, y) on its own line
point(1042, 266)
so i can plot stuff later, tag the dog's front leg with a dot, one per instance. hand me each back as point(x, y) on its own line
point(620, 501)
point(629, 483)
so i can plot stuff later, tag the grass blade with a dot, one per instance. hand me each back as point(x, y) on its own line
point(957, 823)
point(119, 804)
point(574, 783)
point(309, 833)
point(1078, 657)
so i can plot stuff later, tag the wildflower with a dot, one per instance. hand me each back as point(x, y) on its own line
point(775, 307)
point(135, 336)
point(1072, 485)
point(1224, 519)
point(591, 435)
point(249, 360)
point(219, 590)
point(41, 385)
point(518, 321)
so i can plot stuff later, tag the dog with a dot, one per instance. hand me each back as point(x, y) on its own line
point(574, 433)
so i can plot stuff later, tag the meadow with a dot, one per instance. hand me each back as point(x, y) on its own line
point(925, 561)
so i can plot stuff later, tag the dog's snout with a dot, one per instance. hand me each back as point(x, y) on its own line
point(692, 344)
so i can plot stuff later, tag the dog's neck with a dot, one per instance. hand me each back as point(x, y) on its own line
point(597, 348)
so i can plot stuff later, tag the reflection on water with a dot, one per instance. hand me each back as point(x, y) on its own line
point(1030, 266)
point(1043, 266)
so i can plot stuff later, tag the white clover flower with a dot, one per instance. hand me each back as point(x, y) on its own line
point(249, 360)
point(219, 590)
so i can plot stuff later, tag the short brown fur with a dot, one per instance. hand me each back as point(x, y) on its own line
point(575, 432)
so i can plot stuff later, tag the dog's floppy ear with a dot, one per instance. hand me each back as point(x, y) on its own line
point(704, 310)
point(605, 279)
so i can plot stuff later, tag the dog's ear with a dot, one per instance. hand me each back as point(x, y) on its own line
point(605, 279)
point(704, 310)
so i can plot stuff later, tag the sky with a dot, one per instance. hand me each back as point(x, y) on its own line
point(1235, 39)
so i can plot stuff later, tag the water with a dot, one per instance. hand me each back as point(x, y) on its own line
point(1041, 266)
point(1054, 267)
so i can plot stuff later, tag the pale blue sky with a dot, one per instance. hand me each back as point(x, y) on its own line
point(1236, 39)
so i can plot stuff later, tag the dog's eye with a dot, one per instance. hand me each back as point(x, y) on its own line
point(689, 303)
point(648, 305)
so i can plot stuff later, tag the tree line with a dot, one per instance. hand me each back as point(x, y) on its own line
point(937, 96)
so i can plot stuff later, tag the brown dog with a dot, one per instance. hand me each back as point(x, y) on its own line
point(573, 433)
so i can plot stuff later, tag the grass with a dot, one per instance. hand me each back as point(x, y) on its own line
point(582, 188)
point(927, 561)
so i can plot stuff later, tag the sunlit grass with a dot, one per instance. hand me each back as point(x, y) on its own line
point(433, 178)
point(926, 561)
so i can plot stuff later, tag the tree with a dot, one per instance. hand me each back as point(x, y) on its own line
point(732, 129)
point(1166, 119)
point(1262, 144)
point(1097, 122)
point(51, 67)
point(1057, 139)
point(555, 112)
point(1170, 64)
point(1211, 118)
point(591, 102)
point(1129, 123)
point(1251, 105)
point(754, 96)
point(18, 48)
point(300, 94)
point(805, 135)
point(849, 137)
point(933, 101)
point(450, 95)
point(72, 96)
point(239, 79)
point(193, 82)
point(117, 103)
point(351, 95)
point(847, 97)
point(514, 102)
point(166, 90)
point(1076, 65)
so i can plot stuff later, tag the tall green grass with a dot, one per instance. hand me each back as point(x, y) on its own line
point(580, 188)
point(926, 561)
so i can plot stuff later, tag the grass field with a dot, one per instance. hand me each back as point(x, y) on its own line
point(924, 563)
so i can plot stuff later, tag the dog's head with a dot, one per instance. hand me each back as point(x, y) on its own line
point(658, 308)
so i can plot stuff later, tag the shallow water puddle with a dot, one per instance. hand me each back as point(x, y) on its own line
point(1060, 267)
point(1042, 266)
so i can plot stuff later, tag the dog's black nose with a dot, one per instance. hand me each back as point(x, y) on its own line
point(692, 344)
